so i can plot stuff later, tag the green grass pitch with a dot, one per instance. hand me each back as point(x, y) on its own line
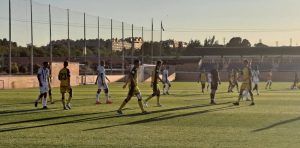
point(185, 120)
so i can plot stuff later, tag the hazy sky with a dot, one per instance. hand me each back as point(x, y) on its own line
point(269, 20)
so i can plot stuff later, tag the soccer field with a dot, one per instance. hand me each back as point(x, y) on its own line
point(185, 120)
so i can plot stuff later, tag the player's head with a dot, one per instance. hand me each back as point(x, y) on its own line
point(66, 64)
point(102, 63)
point(136, 63)
point(246, 62)
point(45, 64)
point(158, 63)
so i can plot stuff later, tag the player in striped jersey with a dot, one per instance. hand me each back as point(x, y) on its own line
point(43, 78)
point(102, 85)
point(134, 90)
point(155, 85)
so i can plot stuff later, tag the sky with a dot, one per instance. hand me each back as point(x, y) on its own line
point(266, 20)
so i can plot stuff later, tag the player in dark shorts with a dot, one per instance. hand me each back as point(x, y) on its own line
point(154, 84)
point(214, 85)
point(133, 89)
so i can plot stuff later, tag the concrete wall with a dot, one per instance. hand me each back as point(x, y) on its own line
point(91, 79)
point(277, 76)
point(16, 82)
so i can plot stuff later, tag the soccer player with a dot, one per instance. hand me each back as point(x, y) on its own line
point(154, 84)
point(208, 80)
point(269, 80)
point(133, 88)
point(255, 78)
point(214, 85)
point(42, 76)
point(202, 79)
point(65, 86)
point(165, 79)
point(102, 85)
point(246, 85)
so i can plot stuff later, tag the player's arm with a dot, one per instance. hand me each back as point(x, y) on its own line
point(69, 78)
point(129, 78)
point(219, 80)
point(38, 77)
point(97, 78)
point(107, 79)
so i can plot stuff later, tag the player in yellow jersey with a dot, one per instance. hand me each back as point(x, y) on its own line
point(155, 85)
point(247, 83)
point(202, 79)
point(65, 85)
point(133, 88)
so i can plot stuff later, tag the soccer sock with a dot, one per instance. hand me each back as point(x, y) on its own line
point(69, 100)
point(107, 96)
point(44, 101)
point(97, 97)
point(39, 97)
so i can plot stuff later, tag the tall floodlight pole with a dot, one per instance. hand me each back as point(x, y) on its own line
point(10, 37)
point(50, 37)
point(152, 41)
point(132, 43)
point(111, 40)
point(142, 45)
point(160, 45)
point(69, 45)
point(123, 50)
point(99, 43)
point(31, 24)
point(85, 52)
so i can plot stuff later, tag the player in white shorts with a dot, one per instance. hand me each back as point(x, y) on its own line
point(165, 79)
point(102, 85)
point(43, 78)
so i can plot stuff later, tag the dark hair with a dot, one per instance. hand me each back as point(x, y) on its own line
point(136, 61)
point(101, 62)
point(158, 62)
point(66, 63)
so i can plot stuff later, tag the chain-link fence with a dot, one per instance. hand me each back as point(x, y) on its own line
point(32, 32)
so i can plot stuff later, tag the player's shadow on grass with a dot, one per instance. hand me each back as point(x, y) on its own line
point(166, 117)
point(203, 99)
point(87, 119)
point(277, 124)
point(24, 111)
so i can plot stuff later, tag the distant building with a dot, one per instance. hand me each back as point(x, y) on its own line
point(175, 44)
point(137, 44)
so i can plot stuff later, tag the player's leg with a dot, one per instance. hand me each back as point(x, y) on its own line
point(212, 96)
point(38, 99)
point(127, 99)
point(139, 97)
point(158, 97)
point(63, 100)
point(98, 96)
point(70, 91)
point(44, 101)
point(108, 101)
point(152, 95)
point(240, 96)
point(168, 87)
point(270, 85)
point(50, 96)
point(202, 87)
point(252, 98)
